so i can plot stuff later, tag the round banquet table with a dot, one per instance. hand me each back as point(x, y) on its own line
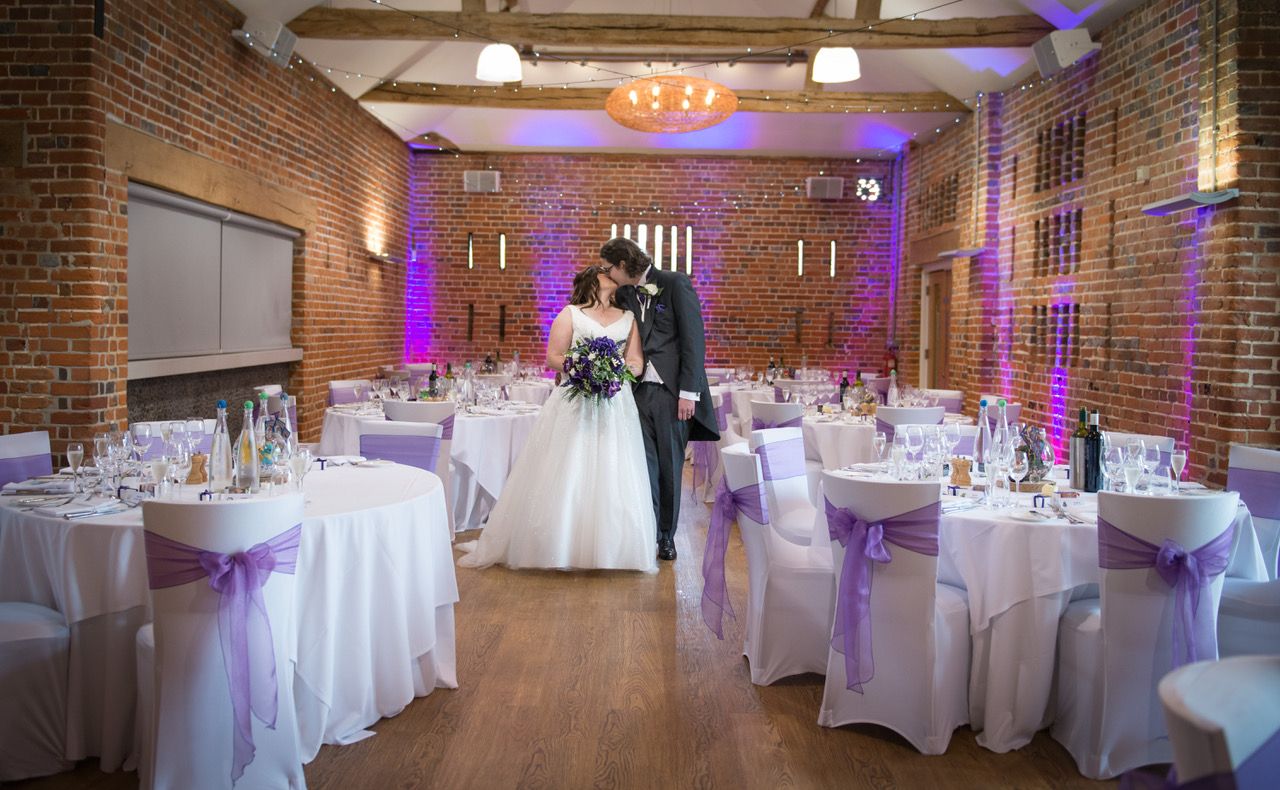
point(486, 444)
point(376, 560)
point(530, 392)
point(1020, 575)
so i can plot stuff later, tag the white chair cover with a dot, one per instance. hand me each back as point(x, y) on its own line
point(1254, 468)
point(767, 414)
point(1249, 618)
point(419, 430)
point(920, 630)
point(442, 414)
point(1113, 650)
point(790, 593)
point(24, 456)
point(343, 391)
point(951, 400)
point(144, 725)
point(1224, 721)
point(34, 643)
point(791, 503)
point(911, 415)
point(193, 713)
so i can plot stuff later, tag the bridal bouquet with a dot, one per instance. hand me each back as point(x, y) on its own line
point(595, 369)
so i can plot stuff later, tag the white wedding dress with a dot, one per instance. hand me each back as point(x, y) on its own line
point(579, 495)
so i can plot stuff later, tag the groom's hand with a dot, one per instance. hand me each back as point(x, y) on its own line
point(684, 408)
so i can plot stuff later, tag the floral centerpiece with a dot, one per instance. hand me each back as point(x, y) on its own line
point(595, 369)
point(1036, 446)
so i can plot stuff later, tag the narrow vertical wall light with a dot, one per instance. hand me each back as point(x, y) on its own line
point(800, 258)
point(675, 249)
point(688, 249)
point(471, 260)
point(657, 243)
point(613, 231)
point(502, 251)
point(833, 257)
point(626, 231)
point(642, 237)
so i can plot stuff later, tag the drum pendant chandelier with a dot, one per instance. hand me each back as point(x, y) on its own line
point(670, 103)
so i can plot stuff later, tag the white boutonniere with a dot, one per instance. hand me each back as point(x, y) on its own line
point(650, 289)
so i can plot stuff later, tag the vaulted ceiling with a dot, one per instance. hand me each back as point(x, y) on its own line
point(412, 64)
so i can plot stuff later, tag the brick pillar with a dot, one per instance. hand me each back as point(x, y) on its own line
point(1236, 371)
point(62, 298)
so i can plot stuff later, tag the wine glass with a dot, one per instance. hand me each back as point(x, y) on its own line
point(878, 442)
point(159, 472)
point(951, 434)
point(75, 457)
point(102, 454)
point(1133, 451)
point(1113, 459)
point(299, 465)
point(1178, 462)
point(1150, 462)
point(142, 439)
point(1132, 474)
point(1019, 466)
point(915, 440)
point(178, 457)
point(177, 433)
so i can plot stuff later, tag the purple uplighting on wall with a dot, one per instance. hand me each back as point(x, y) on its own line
point(419, 287)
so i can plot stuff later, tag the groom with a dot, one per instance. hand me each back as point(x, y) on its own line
point(672, 396)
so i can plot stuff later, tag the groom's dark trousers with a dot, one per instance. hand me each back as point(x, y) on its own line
point(665, 437)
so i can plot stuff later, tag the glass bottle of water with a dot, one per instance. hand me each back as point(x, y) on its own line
point(262, 437)
point(1002, 438)
point(220, 464)
point(286, 440)
point(892, 398)
point(246, 472)
point(982, 445)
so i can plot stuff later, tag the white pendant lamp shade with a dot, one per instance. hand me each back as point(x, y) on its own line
point(499, 63)
point(836, 64)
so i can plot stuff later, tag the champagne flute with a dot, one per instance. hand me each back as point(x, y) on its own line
point(299, 465)
point(879, 442)
point(1177, 460)
point(75, 457)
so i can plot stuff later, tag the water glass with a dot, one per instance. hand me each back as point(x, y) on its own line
point(1177, 462)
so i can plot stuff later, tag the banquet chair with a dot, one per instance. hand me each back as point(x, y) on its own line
point(156, 448)
point(879, 385)
point(344, 391)
point(409, 443)
point(1112, 650)
point(913, 665)
point(1224, 722)
point(789, 415)
point(1254, 472)
point(888, 418)
point(790, 592)
point(24, 456)
point(782, 461)
point(189, 738)
point(34, 657)
point(950, 400)
point(441, 413)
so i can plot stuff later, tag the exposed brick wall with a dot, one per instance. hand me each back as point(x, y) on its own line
point(171, 70)
point(747, 215)
point(1174, 317)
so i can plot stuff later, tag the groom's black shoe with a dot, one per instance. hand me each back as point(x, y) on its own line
point(666, 549)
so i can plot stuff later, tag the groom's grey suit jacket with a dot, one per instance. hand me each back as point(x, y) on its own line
point(672, 336)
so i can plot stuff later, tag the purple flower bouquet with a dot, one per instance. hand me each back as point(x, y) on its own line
point(595, 369)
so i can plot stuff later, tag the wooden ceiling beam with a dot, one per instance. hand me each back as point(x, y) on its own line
point(668, 31)
point(552, 98)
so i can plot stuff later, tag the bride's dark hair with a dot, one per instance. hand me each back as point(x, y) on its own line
point(586, 289)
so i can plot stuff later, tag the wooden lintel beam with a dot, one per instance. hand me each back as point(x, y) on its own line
point(668, 31)
point(552, 98)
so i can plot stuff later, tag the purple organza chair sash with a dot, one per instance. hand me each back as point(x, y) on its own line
point(782, 460)
point(1188, 573)
point(420, 451)
point(966, 445)
point(886, 428)
point(758, 424)
point(156, 448)
point(952, 405)
point(779, 396)
point(915, 530)
point(340, 395)
point(25, 467)
point(704, 462)
point(722, 416)
point(243, 626)
point(446, 428)
point(751, 502)
point(1259, 489)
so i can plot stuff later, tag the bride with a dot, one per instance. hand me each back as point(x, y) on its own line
point(579, 494)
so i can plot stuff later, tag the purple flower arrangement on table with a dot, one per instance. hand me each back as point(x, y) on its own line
point(595, 369)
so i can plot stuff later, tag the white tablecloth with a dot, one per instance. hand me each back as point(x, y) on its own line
point(530, 392)
point(376, 560)
point(838, 443)
point(1020, 576)
point(485, 447)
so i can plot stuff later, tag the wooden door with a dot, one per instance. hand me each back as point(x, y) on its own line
point(938, 350)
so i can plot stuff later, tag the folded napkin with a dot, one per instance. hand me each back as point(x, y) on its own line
point(40, 487)
point(343, 460)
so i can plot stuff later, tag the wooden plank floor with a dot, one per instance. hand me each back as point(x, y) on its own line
point(610, 680)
